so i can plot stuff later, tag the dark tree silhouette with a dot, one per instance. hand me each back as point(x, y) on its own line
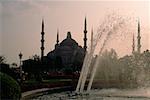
point(2, 59)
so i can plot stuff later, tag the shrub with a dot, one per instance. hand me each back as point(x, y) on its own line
point(10, 89)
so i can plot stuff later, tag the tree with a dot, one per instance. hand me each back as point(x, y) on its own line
point(10, 89)
point(14, 65)
point(34, 67)
point(2, 59)
point(108, 66)
point(36, 57)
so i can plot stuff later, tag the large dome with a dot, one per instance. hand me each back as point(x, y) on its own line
point(69, 41)
point(67, 51)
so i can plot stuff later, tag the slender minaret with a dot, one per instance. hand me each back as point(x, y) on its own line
point(133, 45)
point(42, 40)
point(139, 39)
point(91, 39)
point(57, 40)
point(85, 35)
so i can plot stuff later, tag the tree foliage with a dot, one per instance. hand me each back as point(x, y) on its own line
point(2, 59)
point(128, 71)
point(10, 89)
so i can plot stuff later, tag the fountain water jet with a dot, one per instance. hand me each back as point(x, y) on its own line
point(109, 26)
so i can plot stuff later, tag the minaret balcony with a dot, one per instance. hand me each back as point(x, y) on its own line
point(42, 33)
point(42, 48)
point(85, 31)
point(85, 39)
point(42, 40)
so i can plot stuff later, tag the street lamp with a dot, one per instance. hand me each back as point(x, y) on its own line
point(20, 57)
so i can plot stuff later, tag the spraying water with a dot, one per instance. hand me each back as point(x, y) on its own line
point(109, 27)
point(113, 27)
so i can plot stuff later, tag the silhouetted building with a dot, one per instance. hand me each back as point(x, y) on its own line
point(67, 55)
point(68, 52)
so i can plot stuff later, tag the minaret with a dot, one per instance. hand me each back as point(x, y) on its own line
point(85, 35)
point(42, 40)
point(91, 39)
point(133, 45)
point(57, 37)
point(57, 40)
point(139, 39)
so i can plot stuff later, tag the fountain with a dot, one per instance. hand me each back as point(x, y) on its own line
point(124, 81)
point(136, 88)
point(107, 29)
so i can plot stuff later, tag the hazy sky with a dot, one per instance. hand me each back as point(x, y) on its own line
point(20, 23)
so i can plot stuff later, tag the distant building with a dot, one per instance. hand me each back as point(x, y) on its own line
point(67, 55)
point(68, 52)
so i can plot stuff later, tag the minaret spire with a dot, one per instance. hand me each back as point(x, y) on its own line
point(42, 25)
point(42, 40)
point(139, 39)
point(85, 35)
point(57, 41)
point(133, 45)
point(91, 39)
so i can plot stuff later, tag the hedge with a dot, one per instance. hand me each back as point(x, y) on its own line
point(10, 89)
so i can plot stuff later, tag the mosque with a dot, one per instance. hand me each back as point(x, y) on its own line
point(68, 52)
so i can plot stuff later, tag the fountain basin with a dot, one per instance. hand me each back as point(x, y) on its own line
point(102, 94)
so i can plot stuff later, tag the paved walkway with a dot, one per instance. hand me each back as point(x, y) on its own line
point(36, 92)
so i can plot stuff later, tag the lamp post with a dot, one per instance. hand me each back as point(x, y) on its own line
point(20, 57)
